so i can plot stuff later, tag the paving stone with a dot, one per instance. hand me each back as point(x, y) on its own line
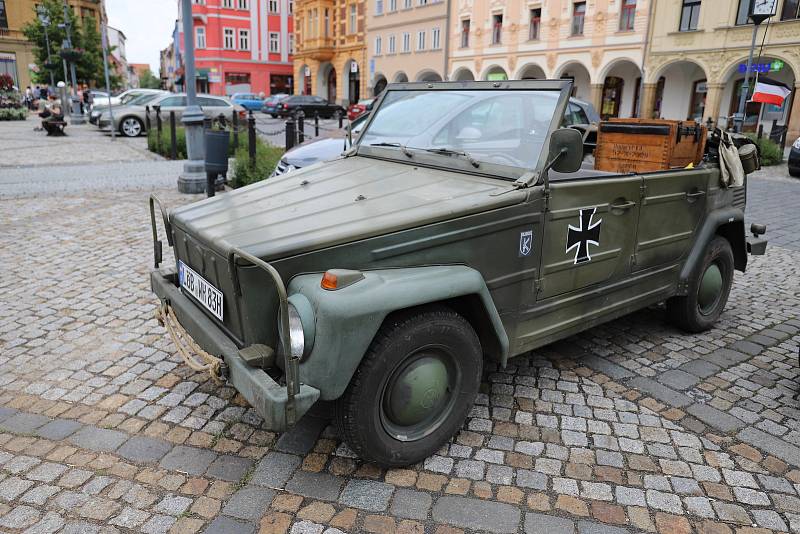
point(747, 347)
point(775, 446)
point(13, 487)
point(660, 392)
point(130, 518)
point(230, 468)
point(547, 524)
point(411, 504)
point(699, 506)
point(769, 519)
point(23, 423)
point(307, 527)
point(39, 495)
point(158, 524)
point(5, 413)
point(678, 379)
point(20, 517)
point(604, 366)
point(630, 496)
point(731, 512)
point(322, 486)
point(275, 469)
point(700, 368)
point(726, 358)
point(439, 464)
point(590, 527)
point(367, 495)
point(664, 501)
point(471, 469)
point(51, 522)
point(98, 439)
point(46, 472)
point(189, 460)
point(531, 479)
point(173, 505)
point(301, 438)
point(249, 503)
point(478, 514)
point(58, 429)
point(141, 449)
point(715, 418)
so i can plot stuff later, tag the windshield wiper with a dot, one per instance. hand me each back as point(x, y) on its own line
point(405, 151)
point(450, 152)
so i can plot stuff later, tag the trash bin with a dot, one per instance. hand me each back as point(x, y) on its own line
point(216, 142)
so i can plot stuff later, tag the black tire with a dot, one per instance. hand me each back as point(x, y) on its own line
point(362, 413)
point(697, 312)
point(794, 172)
point(274, 115)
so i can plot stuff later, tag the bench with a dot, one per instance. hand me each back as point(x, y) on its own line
point(54, 127)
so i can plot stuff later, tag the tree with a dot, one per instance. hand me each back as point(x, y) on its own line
point(147, 80)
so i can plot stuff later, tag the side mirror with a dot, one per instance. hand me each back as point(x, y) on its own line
point(566, 150)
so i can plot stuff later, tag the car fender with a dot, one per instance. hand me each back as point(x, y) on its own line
point(346, 320)
point(728, 223)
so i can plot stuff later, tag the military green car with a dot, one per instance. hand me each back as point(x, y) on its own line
point(462, 226)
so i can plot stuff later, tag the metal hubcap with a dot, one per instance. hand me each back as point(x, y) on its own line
point(131, 127)
point(710, 289)
point(418, 395)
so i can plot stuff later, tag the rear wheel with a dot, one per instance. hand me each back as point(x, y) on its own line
point(131, 127)
point(413, 388)
point(709, 288)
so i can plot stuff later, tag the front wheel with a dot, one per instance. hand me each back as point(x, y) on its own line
point(413, 389)
point(131, 127)
point(709, 288)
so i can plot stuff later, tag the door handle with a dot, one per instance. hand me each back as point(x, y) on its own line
point(693, 196)
point(624, 206)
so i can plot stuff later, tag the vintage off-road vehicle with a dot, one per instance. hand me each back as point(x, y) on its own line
point(463, 225)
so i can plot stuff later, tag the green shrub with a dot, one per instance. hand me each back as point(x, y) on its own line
point(769, 152)
point(164, 149)
point(13, 114)
point(267, 157)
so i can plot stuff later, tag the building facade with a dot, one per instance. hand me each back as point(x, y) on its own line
point(331, 56)
point(598, 44)
point(697, 58)
point(118, 60)
point(242, 45)
point(406, 41)
point(16, 53)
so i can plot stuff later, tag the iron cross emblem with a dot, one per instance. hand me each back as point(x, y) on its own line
point(588, 233)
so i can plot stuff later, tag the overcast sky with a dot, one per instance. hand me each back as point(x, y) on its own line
point(147, 25)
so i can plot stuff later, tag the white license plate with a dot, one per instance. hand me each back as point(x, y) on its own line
point(198, 287)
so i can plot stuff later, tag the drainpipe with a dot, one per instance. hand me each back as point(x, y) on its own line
point(446, 74)
point(647, 38)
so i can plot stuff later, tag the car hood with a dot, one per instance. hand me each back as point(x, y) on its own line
point(341, 201)
point(319, 149)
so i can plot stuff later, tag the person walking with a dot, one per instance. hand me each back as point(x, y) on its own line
point(28, 98)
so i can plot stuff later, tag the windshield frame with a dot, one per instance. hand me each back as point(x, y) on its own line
point(451, 163)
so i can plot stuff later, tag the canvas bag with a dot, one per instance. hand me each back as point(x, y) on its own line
point(732, 172)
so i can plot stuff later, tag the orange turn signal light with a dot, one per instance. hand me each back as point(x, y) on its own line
point(329, 281)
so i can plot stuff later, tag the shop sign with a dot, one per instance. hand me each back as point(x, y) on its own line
point(353, 67)
point(763, 68)
point(701, 87)
point(307, 71)
point(496, 76)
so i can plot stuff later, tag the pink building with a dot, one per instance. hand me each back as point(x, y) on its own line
point(242, 46)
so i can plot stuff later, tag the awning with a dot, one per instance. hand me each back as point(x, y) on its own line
point(202, 73)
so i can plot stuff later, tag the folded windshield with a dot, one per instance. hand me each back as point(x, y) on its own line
point(502, 127)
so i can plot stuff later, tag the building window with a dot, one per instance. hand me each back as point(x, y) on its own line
point(353, 18)
point(327, 22)
point(378, 45)
point(227, 3)
point(200, 37)
point(465, 33)
point(274, 43)
point(406, 42)
point(435, 39)
point(3, 15)
point(423, 2)
point(244, 4)
point(229, 41)
point(291, 6)
point(791, 10)
point(743, 15)
point(578, 17)
point(627, 16)
point(497, 28)
point(392, 5)
point(392, 44)
point(379, 7)
point(291, 43)
point(406, 4)
point(8, 65)
point(535, 24)
point(273, 6)
point(690, 13)
point(421, 40)
point(244, 39)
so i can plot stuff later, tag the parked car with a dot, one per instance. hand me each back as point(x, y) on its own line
point(794, 159)
point(270, 106)
point(320, 148)
point(461, 231)
point(130, 119)
point(249, 101)
point(360, 107)
point(126, 97)
point(309, 106)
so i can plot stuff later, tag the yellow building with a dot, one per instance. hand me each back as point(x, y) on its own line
point(598, 44)
point(697, 58)
point(330, 56)
point(16, 53)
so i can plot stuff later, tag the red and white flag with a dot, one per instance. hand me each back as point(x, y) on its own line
point(770, 91)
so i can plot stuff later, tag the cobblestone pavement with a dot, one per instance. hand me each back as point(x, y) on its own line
point(629, 427)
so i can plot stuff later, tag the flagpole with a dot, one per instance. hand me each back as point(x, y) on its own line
point(738, 120)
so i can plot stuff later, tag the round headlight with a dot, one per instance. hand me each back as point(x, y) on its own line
point(297, 338)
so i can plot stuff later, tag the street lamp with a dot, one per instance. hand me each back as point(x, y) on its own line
point(761, 11)
point(44, 18)
point(75, 116)
point(193, 178)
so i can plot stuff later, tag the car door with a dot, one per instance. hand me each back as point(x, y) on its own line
point(589, 233)
point(213, 107)
point(172, 103)
point(672, 204)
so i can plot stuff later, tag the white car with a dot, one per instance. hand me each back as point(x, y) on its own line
point(101, 103)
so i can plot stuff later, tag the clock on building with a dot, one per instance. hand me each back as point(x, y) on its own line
point(764, 8)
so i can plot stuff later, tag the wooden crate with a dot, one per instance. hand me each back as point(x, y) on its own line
point(648, 145)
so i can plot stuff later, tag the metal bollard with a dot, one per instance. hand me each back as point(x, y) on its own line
point(235, 122)
point(251, 138)
point(301, 126)
point(316, 124)
point(173, 137)
point(159, 127)
point(760, 131)
point(147, 123)
point(290, 133)
point(341, 118)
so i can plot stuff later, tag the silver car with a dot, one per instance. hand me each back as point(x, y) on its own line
point(124, 98)
point(131, 122)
